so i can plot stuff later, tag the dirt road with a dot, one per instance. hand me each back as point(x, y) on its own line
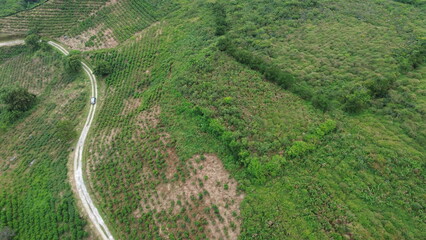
point(11, 43)
point(91, 210)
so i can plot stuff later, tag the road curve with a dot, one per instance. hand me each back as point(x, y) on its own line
point(82, 192)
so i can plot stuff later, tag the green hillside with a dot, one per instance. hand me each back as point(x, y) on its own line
point(9, 7)
point(36, 200)
point(237, 119)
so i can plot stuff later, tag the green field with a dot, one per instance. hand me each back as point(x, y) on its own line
point(232, 119)
point(36, 200)
point(9, 7)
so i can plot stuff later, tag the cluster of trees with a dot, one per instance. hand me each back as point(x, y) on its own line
point(16, 102)
point(220, 18)
point(102, 68)
point(33, 41)
point(72, 62)
point(19, 99)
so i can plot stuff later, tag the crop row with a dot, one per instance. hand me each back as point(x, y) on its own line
point(52, 18)
point(36, 201)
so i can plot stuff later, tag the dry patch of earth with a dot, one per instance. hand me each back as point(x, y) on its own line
point(99, 37)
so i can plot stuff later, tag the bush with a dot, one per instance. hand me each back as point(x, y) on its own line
point(33, 41)
point(72, 62)
point(103, 68)
point(19, 100)
point(326, 128)
point(300, 148)
point(321, 102)
point(357, 100)
point(256, 169)
point(380, 87)
point(273, 166)
point(220, 19)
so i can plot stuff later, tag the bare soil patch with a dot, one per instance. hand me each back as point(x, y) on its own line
point(100, 37)
point(208, 187)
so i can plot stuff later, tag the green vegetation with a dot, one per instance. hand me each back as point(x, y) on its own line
point(103, 68)
point(19, 100)
point(72, 62)
point(65, 130)
point(33, 41)
point(316, 108)
point(9, 7)
point(36, 201)
point(62, 16)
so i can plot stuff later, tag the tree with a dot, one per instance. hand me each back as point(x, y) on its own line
point(357, 100)
point(103, 68)
point(33, 41)
point(19, 100)
point(320, 101)
point(380, 86)
point(72, 62)
point(220, 18)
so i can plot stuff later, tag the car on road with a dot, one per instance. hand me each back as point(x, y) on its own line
point(93, 100)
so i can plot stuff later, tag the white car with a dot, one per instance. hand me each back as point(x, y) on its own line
point(93, 100)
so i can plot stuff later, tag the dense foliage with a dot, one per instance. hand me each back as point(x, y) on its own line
point(103, 68)
point(9, 7)
point(19, 100)
point(33, 41)
point(72, 62)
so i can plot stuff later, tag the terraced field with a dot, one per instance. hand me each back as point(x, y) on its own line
point(52, 18)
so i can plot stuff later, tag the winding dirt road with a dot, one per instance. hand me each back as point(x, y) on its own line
point(82, 192)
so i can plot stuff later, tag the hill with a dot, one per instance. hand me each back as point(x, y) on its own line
point(36, 200)
point(255, 119)
point(10, 7)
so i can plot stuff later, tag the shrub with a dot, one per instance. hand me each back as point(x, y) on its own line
point(326, 128)
point(33, 41)
point(255, 168)
point(103, 68)
point(300, 148)
point(220, 19)
point(19, 100)
point(273, 167)
point(357, 100)
point(72, 62)
point(321, 102)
